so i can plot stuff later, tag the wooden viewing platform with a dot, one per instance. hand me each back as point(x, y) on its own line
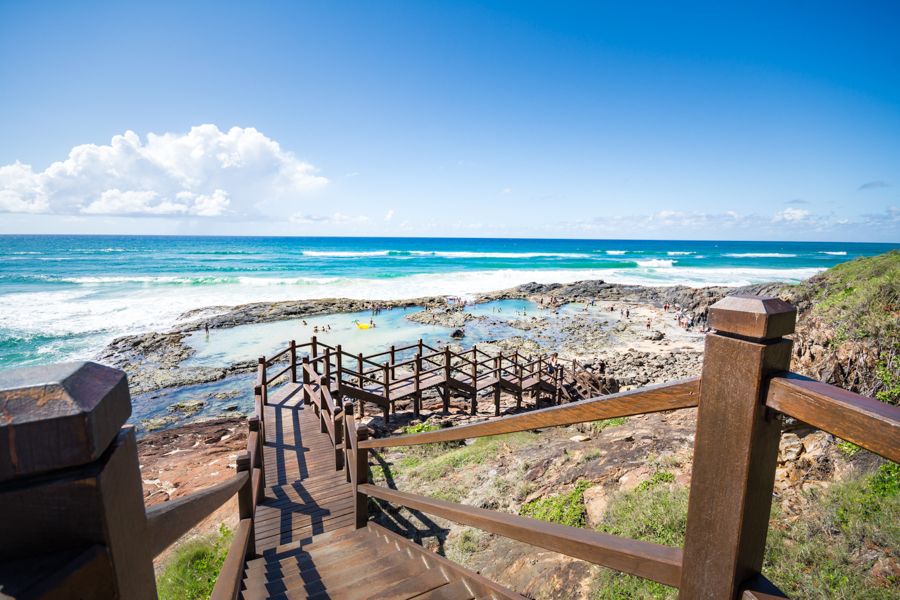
point(74, 523)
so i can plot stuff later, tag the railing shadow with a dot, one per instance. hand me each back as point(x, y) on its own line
point(393, 519)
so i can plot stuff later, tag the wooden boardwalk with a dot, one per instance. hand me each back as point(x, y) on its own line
point(305, 530)
point(305, 495)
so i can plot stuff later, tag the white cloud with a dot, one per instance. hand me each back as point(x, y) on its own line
point(337, 218)
point(389, 215)
point(792, 214)
point(205, 173)
point(506, 190)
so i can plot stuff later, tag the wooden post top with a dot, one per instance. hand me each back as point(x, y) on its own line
point(756, 317)
point(58, 416)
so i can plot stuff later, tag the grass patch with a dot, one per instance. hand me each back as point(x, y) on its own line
point(564, 509)
point(824, 554)
point(439, 465)
point(432, 449)
point(590, 455)
point(599, 426)
point(650, 512)
point(888, 372)
point(191, 571)
point(848, 448)
point(860, 298)
point(468, 542)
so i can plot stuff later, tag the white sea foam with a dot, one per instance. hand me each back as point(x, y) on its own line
point(344, 254)
point(616, 252)
point(761, 255)
point(679, 253)
point(107, 307)
point(841, 253)
point(656, 262)
point(446, 254)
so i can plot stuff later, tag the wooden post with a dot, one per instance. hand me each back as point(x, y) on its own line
point(386, 391)
point(497, 386)
point(393, 362)
point(349, 459)
point(70, 479)
point(361, 501)
point(518, 367)
point(446, 397)
point(559, 383)
point(327, 369)
point(314, 343)
point(293, 361)
point(417, 396)
point(421, 347)
point(338, 422)
point(359, 367)
point(306, 380)
point(474, 377)
point(255, 425)
point(340, 370)
point(736, 446)
point(540, 378)
point(245, 498)
point(263, 382)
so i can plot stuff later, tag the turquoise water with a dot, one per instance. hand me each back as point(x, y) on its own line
point(66, 297)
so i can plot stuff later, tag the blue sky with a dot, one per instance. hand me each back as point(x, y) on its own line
point(596, 120)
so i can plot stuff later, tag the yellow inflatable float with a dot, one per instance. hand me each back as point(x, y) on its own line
point(363, 325)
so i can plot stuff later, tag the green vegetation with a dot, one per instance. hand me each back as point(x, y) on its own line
point(419, 428)
point(848, 448)
point(425, 449)
point(191, 571)
point(590, 455)
point(656, 479)
point(564, 509)
point(468, 542)
point(888, 372)
point(435, 466)
point(860, 298)
point(599, 426)
point(824, 554)
point(650, 512)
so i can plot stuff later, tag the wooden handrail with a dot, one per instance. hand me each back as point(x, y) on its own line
point(169, 521)
point(644, 559)
point(228, 583)
point(668, 396)
point(274, 358)
point(864, 421)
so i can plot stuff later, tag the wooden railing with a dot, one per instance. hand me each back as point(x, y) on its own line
point(411, 369)
point(75, 525)
point(74, 522)
point(745, 383)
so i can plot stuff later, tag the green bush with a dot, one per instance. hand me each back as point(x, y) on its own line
point(652, 513)
point(564, 509)
point(599, 426)
point(191, 571)
point(823, 555)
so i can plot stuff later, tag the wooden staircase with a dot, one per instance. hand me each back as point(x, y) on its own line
point(362, 564)
point(305, 530)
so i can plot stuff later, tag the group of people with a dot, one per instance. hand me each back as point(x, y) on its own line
point(377, 308)
point(323, 329)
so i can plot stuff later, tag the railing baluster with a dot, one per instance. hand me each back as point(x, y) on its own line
point(293, 361)
point(735, 447)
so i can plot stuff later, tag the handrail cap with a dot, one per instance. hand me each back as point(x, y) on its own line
point(58, 416)
point(757, 317)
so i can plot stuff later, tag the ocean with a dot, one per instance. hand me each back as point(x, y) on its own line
point(66, 297)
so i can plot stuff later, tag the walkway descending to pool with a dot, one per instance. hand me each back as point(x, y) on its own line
point(306, 525)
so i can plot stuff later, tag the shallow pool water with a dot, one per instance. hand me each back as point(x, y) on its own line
point(222, 347)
